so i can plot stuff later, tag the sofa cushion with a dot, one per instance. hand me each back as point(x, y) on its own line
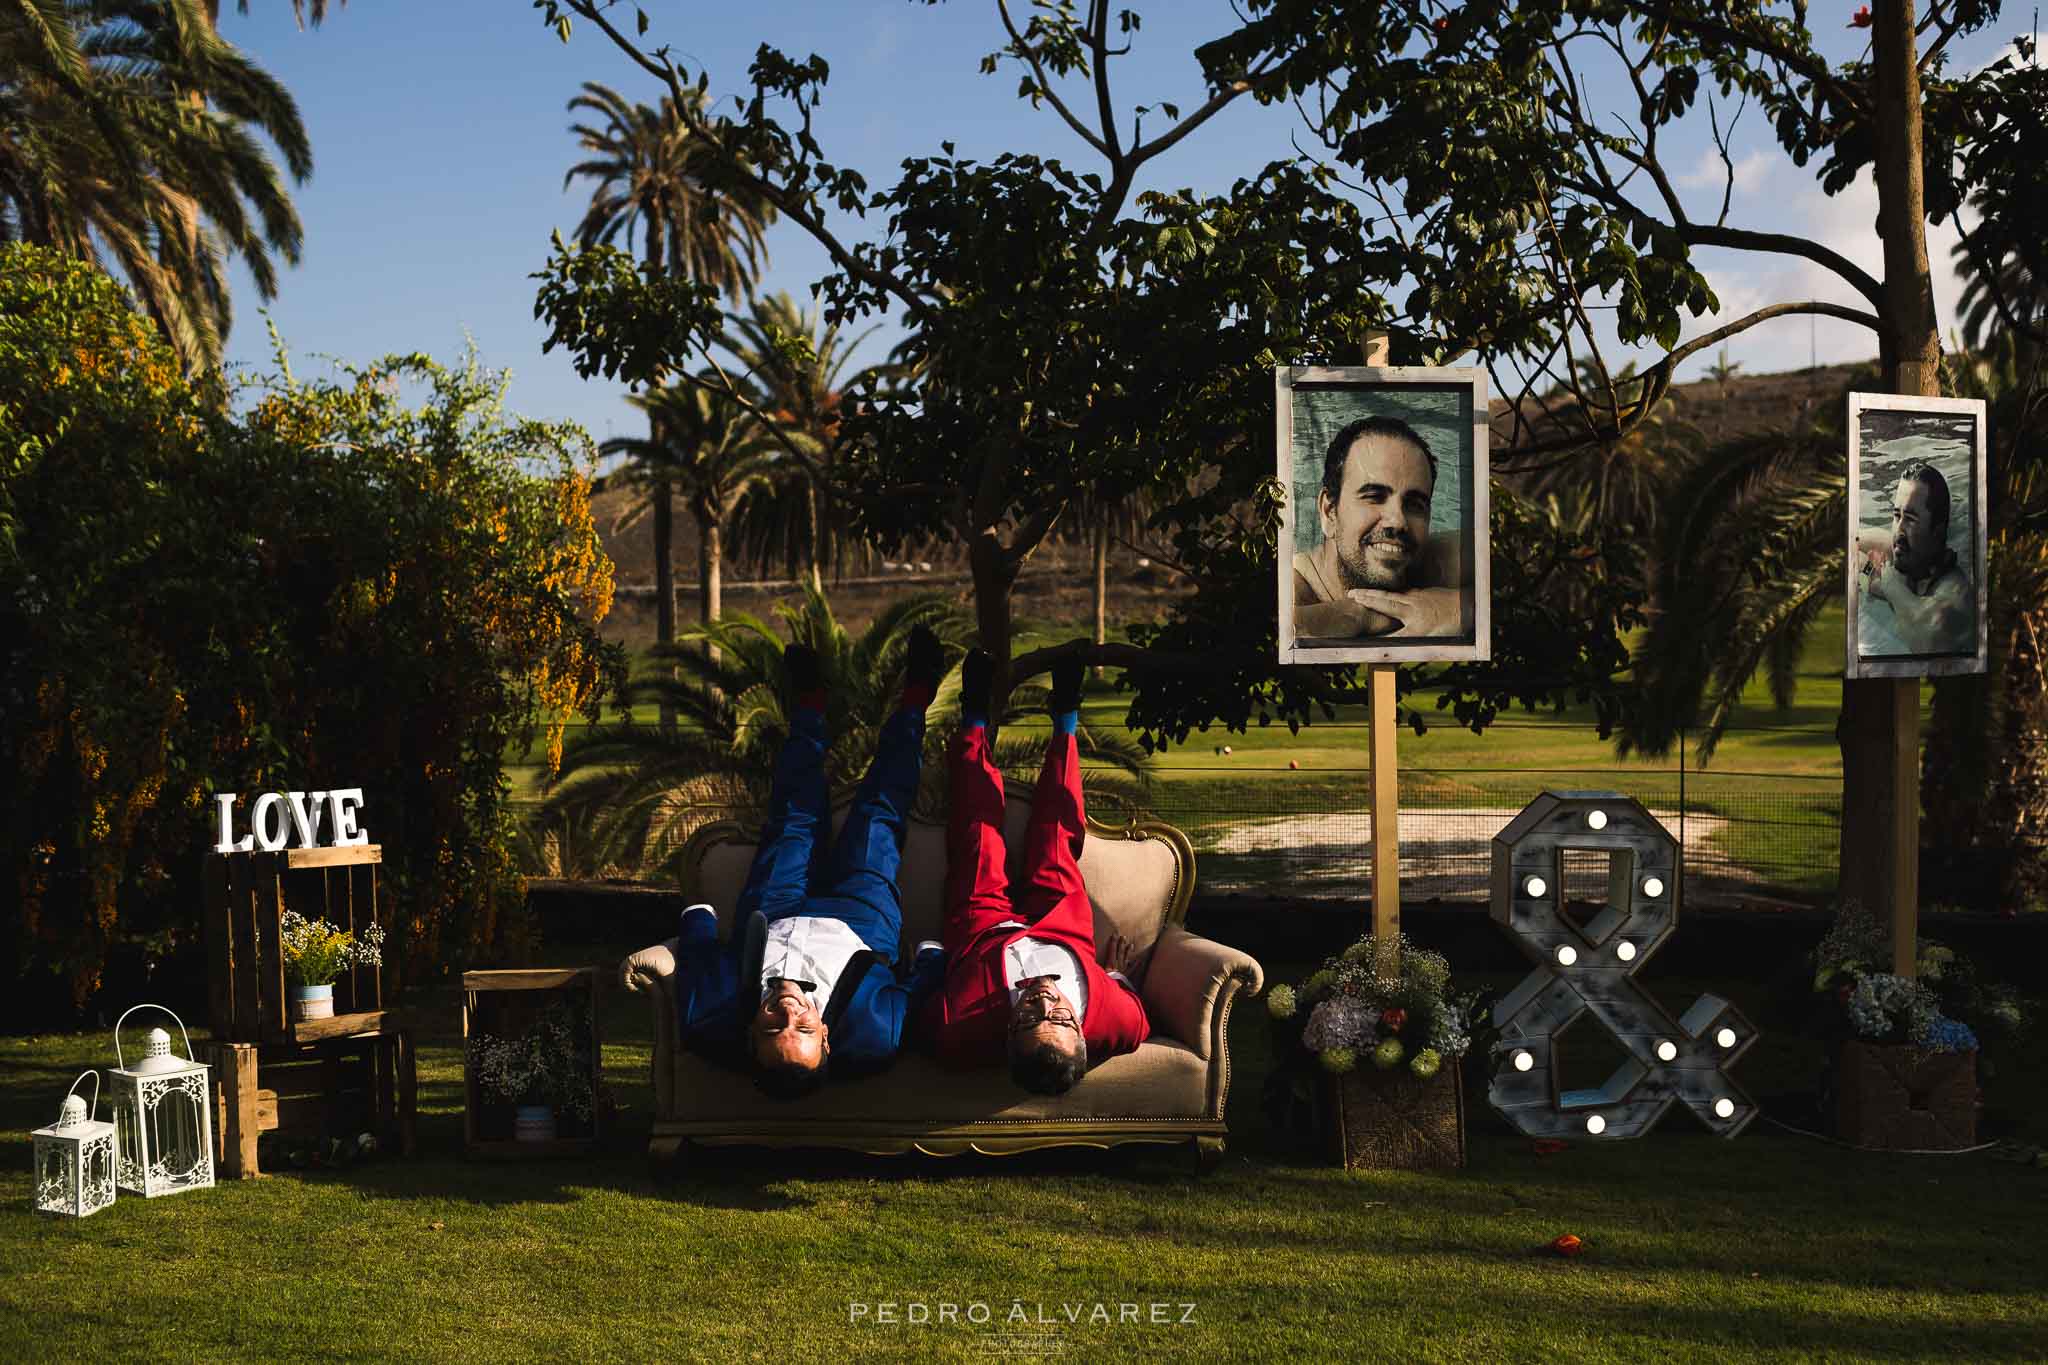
point(1162, 1080)
point(1133, 883)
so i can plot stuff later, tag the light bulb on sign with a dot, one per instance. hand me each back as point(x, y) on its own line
point(1566, 955)
point(1724, 1108)
point(1726, 1037)
point(1596, 819)
point(1625, 950)
point(1523, 1061)
point(1595, 1124)
point(1535, 886)
point(1667, 1051)
point(1653, 887)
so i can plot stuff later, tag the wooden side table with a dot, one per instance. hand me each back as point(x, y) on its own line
point(504, 1004)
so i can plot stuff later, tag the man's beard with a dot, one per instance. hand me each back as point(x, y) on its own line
point(1915, 556)
point(1364, 569)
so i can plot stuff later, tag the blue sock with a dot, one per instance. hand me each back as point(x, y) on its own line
point(970, 720)
point(1066, 722)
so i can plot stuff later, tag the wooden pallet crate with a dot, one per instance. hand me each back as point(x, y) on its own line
point(503, 1004)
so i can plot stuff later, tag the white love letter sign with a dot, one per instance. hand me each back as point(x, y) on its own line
point(278, 815)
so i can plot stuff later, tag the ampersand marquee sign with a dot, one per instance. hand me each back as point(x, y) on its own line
point(1589, 969)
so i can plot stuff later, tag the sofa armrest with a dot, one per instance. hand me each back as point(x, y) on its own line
point(643, 969)
point(1189, 985)
point(649, 970)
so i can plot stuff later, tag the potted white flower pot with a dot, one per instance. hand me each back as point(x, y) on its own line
point(533, 1123)
point(313, 1002)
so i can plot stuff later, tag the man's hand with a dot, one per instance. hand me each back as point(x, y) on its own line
point(1338, 621)
point(1118, 954)
point(1421, 612)
point(1883, 581)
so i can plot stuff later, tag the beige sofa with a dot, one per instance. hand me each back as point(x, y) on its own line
point(1172, 1090)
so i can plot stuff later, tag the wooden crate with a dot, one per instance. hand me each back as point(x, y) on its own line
point(1905, 1098)
point(503, 1004)
point(1393, 1121)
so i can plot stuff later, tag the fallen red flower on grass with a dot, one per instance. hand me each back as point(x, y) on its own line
point(1567, 1245)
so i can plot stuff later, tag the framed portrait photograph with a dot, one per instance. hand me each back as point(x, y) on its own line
point(1916, 554)
point(1383, 541)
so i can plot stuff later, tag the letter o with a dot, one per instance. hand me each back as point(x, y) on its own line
point(268, 822)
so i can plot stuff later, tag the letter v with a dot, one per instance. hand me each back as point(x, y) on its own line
point(307, 824)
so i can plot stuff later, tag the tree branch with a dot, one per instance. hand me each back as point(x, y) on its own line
point(1112, 655)
point(792, 206)
point(1030, 56)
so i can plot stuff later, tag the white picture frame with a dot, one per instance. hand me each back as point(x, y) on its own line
point(1891, 435)
point(1446, 407)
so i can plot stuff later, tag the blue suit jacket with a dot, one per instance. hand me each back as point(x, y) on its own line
point(868, 1015)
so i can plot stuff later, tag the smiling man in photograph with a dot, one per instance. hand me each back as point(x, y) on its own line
point(1377, 570)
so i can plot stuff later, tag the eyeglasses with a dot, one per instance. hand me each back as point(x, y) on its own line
point(1035, 1008)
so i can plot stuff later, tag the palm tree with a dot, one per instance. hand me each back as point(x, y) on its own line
point(799, 363)
point(653, 176)
point(630, 795)
point(1751, 549)
point(127, 138)
point(1721, 371)
point(1615, 486)
point(713, 453)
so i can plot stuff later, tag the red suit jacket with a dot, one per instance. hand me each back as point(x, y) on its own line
point(967, 1020)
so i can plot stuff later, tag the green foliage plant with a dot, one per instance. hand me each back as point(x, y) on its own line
point(333, 584)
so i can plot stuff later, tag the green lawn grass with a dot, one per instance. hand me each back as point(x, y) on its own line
point(1770, 1246)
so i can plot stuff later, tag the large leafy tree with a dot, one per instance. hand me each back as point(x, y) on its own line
point(654, 174)
point(430, 581)
point(1067, 337)
point(1543, 204)
point(129, 135)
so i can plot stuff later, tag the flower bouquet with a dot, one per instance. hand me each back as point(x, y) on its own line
point(1904, 1069)
point(545, 1073)
point(1369, 1061)
point(315, 953)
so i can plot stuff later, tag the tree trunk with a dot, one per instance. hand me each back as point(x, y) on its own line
point(1879, 731)
point(664, 575)
point(711, 568)
point(1101, 583)
point(994, 577)
point(815, 509)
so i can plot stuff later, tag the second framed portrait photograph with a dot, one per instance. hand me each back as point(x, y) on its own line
point(1383, 541)
point(1916, 555)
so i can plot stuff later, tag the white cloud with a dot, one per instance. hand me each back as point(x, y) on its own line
point(1751, 169)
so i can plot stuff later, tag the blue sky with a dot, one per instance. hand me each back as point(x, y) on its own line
point(440, 140)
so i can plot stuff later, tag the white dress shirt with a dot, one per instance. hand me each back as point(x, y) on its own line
point(1026, 957)
point(809, 948)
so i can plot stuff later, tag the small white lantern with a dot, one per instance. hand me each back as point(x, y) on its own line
point(163, 1115)
point(75, 1157)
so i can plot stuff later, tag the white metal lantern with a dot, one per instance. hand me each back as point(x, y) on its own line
point(75, 1157)
point(163, 1115)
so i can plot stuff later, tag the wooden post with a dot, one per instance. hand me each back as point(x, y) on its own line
point(1386, 817)
point(1386, 779)
point(1905, 840)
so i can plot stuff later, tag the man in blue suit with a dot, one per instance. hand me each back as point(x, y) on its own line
point(810, 972)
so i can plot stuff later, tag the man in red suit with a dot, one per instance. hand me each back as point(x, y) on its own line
point(1024, 978)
